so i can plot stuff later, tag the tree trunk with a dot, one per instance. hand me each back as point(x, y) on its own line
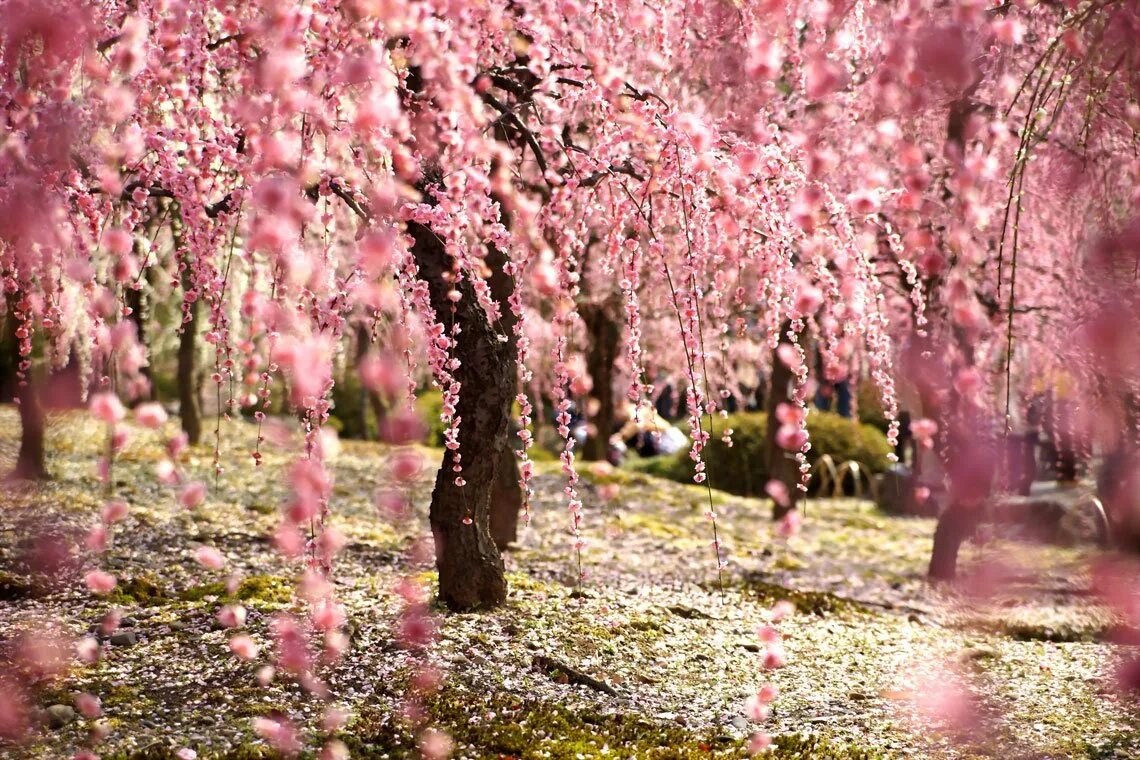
point(604, 337)
point(782, 465)
point(134, 299)
point(957, 523)
point(189, 404)
point(506, 500)
point(470, 569)
point(369, 399)
point(30, 460)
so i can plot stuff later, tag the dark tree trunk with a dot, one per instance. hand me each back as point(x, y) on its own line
point(604, 337)
point(506, 494)
point(957, 523)
point(136, 303)
point(782, 465)
point(189, 404)
point(470, 567)
point(30, 460)
point(506, 500)
point(9, 357)
point(134, 300)
point(369, 399)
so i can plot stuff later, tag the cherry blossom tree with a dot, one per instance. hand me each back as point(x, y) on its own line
point(907, 188)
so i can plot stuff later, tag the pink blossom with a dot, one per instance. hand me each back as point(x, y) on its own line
point(777, 490)
point(177, 444)
point(87, 650)
point(334, 719)
point(107, 408)
point(328, 615)
point(151, 415)
point(209, 557)
point(114, 511)
point(791, 437)
point(924, 430)
point(1008, 31)
point(405, 465)
point(808, 299)
point(768, 634)
point(118, 242)
point(781, 610)
point(435, 745)
point(790, 524)
point(823, 77)
point(96, 539)
point(167, 473)
point(192, 495)
point(382, 374)
point(88, 705)
point(280, 733)
point(232, 616)
point(244, 647)
point(759, 742)
point(99, 582)
point(773, 657)
point(334, 749)
point(756, 710)
point(544, 278)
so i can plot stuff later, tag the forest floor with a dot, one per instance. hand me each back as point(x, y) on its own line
point(674, 646)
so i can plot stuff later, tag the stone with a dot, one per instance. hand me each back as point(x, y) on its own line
point(59, 716)
point(124, 639)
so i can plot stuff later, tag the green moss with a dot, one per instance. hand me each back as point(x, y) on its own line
point(1068, 631)
point(814, 747)
point(539, 454)
point(141, 590)
point(260, 588)
point(522, 582)
point(261, 508)
point(602, 473)
point(484, 724)
point(522, 728)
point(164, 751)
point(819, 603)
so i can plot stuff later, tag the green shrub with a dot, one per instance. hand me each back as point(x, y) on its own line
point(429, 404)
point(350, 415)
point(869, 404)
point(742, 468)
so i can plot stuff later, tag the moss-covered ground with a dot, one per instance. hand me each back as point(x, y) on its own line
point(652, 620)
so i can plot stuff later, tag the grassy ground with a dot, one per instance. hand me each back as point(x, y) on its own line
point(652, 621)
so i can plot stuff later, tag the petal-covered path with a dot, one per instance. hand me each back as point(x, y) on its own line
point(651, 656)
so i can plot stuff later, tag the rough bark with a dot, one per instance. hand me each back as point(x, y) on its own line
point(189, 404)
point(134, 299)
point(506, 495)
point(30, 459)
point(506, 500)
point(369, 399)
point(782, 465)
point(470, 567)
point(957, 523)
point(604, 338)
